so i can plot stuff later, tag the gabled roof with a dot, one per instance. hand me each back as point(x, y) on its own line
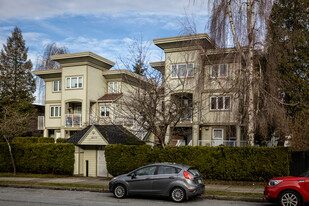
point(110, 97)
point(113, 134)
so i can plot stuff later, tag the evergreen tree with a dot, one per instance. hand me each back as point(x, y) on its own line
point(17, 84)
point(289, 38)
point(289, 55)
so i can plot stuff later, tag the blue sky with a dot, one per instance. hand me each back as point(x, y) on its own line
point(104, 27)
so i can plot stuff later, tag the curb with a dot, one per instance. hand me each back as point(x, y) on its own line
point(232, 198)
point(217, 197)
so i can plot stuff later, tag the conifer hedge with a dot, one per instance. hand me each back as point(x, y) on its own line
point(217, 163)
point(42, 158)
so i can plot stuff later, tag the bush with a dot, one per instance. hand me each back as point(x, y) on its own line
point(33, 140)
point(61, 140)
point(220, 163)
point(44, 158)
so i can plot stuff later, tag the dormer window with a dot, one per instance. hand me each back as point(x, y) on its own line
point(113, 87)
point(182, 70)
point(219, 71)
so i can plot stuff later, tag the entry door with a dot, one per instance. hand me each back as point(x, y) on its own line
point(101, 164)
point(217, 137)
point(58, 134)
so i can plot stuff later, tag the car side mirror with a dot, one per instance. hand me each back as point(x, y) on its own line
point(133, 176)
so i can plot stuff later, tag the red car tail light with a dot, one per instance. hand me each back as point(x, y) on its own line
point(188, 175)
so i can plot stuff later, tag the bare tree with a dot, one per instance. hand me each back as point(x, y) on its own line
point(137, 59)
point(155, 107)
point(44, 62)
point(13, 123)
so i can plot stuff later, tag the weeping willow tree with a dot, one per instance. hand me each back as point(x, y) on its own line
point(241, 25)
point(44, 62)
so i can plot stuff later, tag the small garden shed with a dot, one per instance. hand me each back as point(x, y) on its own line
point(89, 147)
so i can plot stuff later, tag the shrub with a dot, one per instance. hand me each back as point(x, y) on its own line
point(221, 163)
point(44, 158)
point(33, 140)
point(61, 140)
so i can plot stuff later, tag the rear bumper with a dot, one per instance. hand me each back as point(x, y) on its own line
point(196, 191)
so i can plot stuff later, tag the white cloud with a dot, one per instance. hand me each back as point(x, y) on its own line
point(40, 9)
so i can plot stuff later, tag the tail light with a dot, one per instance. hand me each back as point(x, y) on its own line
point(188, 175)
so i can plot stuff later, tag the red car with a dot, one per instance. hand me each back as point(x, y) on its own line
point(289, 191)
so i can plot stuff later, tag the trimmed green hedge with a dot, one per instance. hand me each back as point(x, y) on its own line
point(44, 158)
point(61, 140)
point(220, 163)
point(34, 140)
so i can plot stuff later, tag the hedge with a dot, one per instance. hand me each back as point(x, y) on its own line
point(33, 140)
point(44, 158)
point(217, 163)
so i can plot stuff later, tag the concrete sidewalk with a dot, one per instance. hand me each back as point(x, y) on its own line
point(102, 185)
point(104, 182)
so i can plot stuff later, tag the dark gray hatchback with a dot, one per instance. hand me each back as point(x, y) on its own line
point(179, 182)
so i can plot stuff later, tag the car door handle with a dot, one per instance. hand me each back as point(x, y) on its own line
point(301, 180)
point(148, 178)
point(171, 177)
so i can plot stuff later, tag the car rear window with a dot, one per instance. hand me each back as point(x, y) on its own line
point(194, 171)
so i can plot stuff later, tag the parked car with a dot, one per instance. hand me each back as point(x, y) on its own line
point(288, 191)
point(179, 182)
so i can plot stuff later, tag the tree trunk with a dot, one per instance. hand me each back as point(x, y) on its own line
point(11, 154)
point(250, 68)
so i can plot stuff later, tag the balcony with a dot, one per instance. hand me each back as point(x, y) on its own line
point(220, 142)
point(41, 123)
point(73, 120)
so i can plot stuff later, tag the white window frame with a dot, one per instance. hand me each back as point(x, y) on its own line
point(111, 87)
point(219, 75)
point(58, 85)
point(224, 107)
point(175, 74)
point(53, 113)
point(106, 109)
point(79, 82)
point(213, 133)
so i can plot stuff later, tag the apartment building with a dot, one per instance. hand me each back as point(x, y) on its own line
point(84, 91)
point(202, 76)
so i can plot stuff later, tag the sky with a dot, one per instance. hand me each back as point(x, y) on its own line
point(104, 27)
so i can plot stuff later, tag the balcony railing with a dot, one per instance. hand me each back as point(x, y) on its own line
point(41, 123)
point(73, 120)
point(214, 142)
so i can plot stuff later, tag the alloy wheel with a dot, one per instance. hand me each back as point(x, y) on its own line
point(289, 199)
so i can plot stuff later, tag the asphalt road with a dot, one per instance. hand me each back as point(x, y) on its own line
point(35, 197)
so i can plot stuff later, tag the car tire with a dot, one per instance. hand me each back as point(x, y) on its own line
point(120, 191)
point(289, 197)
point(178, 194)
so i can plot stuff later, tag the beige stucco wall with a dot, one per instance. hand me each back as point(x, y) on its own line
point(52, 122)
point(71, 95)
point(184, 57)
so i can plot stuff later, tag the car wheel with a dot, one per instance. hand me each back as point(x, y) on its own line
point(120, 191)
point(289, 198)
point(178, 194)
